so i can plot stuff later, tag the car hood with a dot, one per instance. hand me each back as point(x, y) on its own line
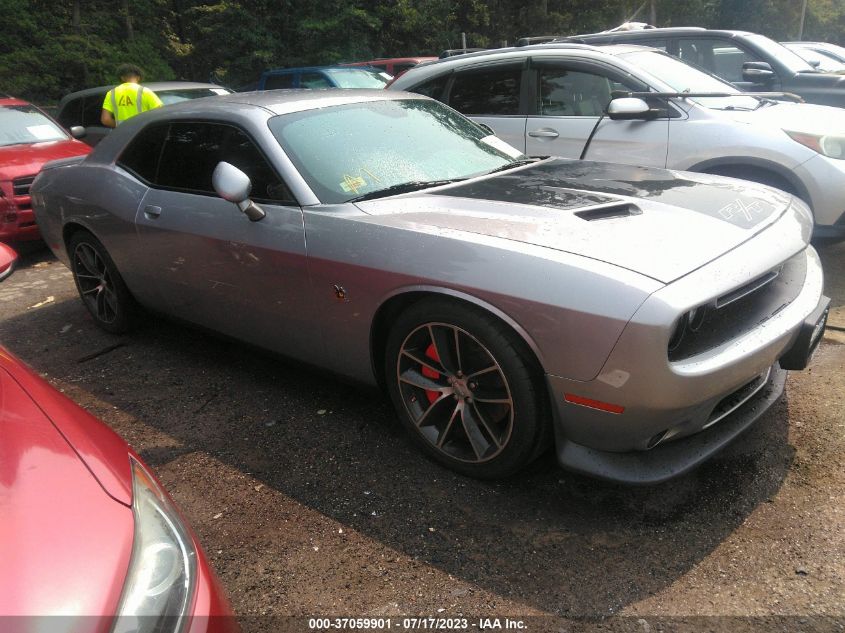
point(795, 117)
point(17, 161)
point(64, 542)
point(659, 223)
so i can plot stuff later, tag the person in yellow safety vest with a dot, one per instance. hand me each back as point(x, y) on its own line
point(128, 99)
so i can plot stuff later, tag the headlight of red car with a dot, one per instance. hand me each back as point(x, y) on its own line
point(162, 572)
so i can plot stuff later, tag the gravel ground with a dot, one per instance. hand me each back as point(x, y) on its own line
point(310, 501)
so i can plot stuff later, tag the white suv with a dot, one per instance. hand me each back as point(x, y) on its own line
point(547, 99)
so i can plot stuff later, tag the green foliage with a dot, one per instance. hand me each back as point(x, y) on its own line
point(51, 47)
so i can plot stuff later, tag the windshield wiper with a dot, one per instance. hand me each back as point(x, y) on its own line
point(404, 187)
point(516, 163)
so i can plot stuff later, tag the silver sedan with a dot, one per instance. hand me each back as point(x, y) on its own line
point(638, 319)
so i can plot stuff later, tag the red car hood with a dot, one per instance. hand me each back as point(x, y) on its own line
point(65, 542)
point(17, 161)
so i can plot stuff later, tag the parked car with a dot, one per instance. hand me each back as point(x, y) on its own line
point(750, 61)
point(819, 59)
point(84, 107)
point(547, 100)
point(316, 77)
point(90, 540)
point(393, 66)
point(28, 139)
point(503, 302)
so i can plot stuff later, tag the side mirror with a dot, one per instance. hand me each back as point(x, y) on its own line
point(757, 72)
point(630, 109)
point(77, 131)
point(233, 185)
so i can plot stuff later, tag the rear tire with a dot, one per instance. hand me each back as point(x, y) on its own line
point(100, 285)
point(466, 388)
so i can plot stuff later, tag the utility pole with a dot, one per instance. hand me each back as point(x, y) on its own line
point(801, 25)
point(652, 14)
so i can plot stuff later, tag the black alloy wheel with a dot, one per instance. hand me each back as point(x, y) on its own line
point(466, 388)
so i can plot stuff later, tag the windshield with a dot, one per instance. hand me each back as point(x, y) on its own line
point(169, 97)
point(785, 56)
point(823, 62)
point(25, 124)
point(357, 78)
point(681, 77)
point(347, 151)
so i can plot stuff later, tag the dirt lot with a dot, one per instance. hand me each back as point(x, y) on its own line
point(310, 502)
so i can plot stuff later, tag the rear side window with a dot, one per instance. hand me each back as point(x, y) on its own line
point(275, 82)
point(486, 91)
point(71, 114)
point(142, 154)
point(92, 110)
point(433, 88)
point(314, 80)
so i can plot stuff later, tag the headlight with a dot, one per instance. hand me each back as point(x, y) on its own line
point(830, 146)
point(162, 571)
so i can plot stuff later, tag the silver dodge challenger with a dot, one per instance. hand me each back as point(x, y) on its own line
point(637, 319)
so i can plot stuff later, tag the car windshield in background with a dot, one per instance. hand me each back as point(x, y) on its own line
point(682, 77)
point(357, 78)
point(822, 62)
point(348, 151)
point(24, 124)
point(789, 59)
point(169, 97)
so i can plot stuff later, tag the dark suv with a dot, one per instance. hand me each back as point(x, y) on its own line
point(750, 61)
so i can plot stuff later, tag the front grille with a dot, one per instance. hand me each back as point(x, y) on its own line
point(741, 310)
point(20, 186)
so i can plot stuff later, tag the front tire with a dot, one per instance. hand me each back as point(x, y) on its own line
point(466, 388)
point(100, 285)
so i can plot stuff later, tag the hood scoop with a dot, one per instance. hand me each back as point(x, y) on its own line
point(609, 212)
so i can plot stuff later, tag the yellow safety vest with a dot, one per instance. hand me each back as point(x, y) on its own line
point(128, 100)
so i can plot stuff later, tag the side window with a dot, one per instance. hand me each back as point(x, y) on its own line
point(486, 91)
point(573, 93)
point(71, 114)
point(190, 155)
point(142, 154)
point(192, 151)
point(243, 154)
point(314, 80)
point(275, 82)
point(433, 87)
point(717, 56)
point(92, 109)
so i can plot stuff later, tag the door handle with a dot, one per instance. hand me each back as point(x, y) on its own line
point(152, 211)
point(543, 133)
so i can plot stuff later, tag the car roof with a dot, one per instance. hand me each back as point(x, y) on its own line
point(12, 101)
point(526, 51)
point(282, 71)
point(155, 86)
point(287, 101)
point(664, 31)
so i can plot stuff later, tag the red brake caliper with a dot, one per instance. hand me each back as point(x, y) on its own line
point(431, 352)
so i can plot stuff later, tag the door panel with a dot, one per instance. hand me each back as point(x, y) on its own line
point(216, 268)
point(569, 102)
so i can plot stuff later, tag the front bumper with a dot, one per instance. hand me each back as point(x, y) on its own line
point(663, 417)
point(673, 458)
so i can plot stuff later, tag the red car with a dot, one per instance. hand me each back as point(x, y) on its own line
point(394, 66)
point(28, 139)
point(85, 528)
